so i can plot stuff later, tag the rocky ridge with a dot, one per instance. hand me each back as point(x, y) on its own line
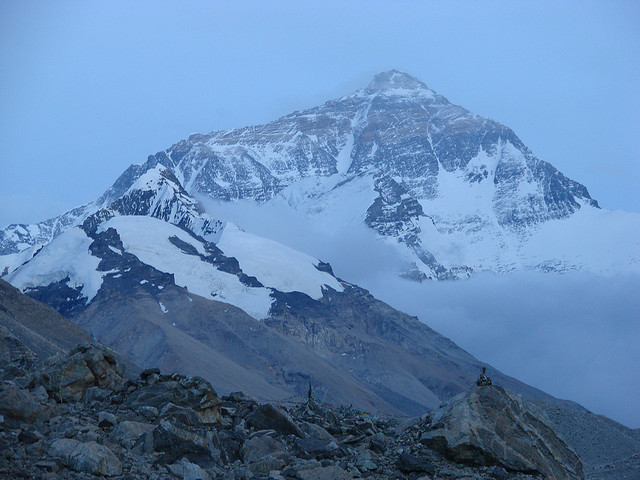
point(166, 426)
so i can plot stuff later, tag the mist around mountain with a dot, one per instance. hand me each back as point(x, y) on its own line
point(572, 334)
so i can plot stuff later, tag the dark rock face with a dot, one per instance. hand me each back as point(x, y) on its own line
point(489, 426)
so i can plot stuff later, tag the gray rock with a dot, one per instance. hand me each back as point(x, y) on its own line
point(188, 471)
point(181, 414)
point(30, 436)
point(156, 395)
point(411, 464)
point(149, 371)
point(181, 441)
point(96, 393)
point(364, 461)
point(86, 457)
point(270, 417)
point(316, 431)
point(150, 413)
point(331, 472)
point(265, 465)
point(106, 419)
point(256, 448)
point(20, 404)
point(106, 368)
point(315, 448)
point(67, 379)
point(488, 425)
point(40, 394)
point(128, 432)
point(498, 473)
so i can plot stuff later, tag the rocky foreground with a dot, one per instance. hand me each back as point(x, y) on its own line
point(78, 416)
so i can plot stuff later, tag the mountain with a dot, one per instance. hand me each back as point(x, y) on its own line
point(269, 318)
point(453, 192)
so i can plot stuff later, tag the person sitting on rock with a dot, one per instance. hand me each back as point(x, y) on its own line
point(484, 379)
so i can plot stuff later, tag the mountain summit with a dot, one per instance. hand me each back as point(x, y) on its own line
point(395, 80)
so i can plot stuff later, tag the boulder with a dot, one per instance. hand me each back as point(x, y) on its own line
point(316, 431)
point(127, 433)
point(89, 457)
point(107, 369)
point(183, 415)
point(268, 416)
point(177, 441)
point(315, 448)
point(156, 395)
point(194, 393)
point(331, 472)
point(106, 419)
point(21, 405)
point(67, 378)
point(186, 470)
point(256, 448)
point(490, 426)
point(411, 464)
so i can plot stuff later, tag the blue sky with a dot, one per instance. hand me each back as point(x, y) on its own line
point(87, 88)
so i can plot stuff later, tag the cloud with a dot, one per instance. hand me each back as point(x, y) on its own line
point(574, 335)
point(352, 253)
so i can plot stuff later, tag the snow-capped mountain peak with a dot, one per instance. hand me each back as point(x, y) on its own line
point(395, 81)
point(461, 183)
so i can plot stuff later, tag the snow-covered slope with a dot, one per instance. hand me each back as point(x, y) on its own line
point(155, 193)
point(453, 192)
point(76, 260)
point(275, 265)
point(65, 259)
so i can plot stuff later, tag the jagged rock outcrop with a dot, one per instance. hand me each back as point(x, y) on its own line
point(88, 365)
point(490, 426)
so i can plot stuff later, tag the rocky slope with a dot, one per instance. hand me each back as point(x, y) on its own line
point(84, 414)
point(32, 331)
point(80, 418)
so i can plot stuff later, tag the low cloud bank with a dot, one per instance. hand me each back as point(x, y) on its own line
point(575, 336)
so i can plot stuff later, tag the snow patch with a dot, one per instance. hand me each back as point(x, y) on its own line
point(53, 264)
point(10, 262)
point(148, 239)
point(276, 265)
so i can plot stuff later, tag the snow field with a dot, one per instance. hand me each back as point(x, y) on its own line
point(148, 239)
point(54, 263)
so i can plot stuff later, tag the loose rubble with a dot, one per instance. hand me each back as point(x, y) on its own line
point(79, 417)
